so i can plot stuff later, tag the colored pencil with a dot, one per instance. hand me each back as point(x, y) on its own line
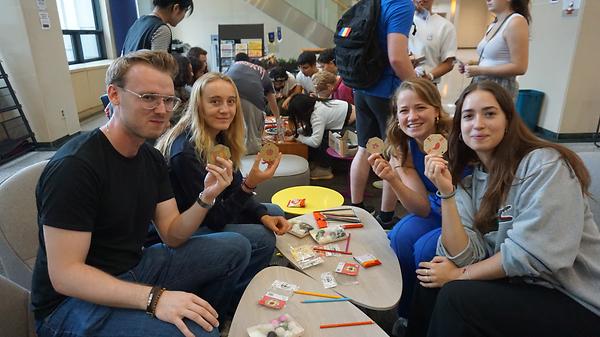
point(333, 251)
point(348, 242)
point(352, 225)
point(311, 293)
point(337, 325)
point(327, 300)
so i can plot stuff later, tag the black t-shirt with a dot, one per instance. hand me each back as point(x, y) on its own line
point(187, 174)
point(88, 186)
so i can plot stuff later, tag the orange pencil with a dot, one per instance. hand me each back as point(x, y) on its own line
point(312, 293)
point(352, 225)
point(337, 325)
point(348, 242)
point(332, 251)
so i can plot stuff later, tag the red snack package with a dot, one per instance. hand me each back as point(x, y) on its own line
point(297, 203)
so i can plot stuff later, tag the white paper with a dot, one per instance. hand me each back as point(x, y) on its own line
point(44, 20)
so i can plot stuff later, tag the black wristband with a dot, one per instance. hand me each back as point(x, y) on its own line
point(202, 203)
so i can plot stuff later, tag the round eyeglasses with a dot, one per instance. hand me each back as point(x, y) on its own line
point(152, 101)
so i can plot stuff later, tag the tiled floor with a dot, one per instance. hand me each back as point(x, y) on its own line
point(8, 169)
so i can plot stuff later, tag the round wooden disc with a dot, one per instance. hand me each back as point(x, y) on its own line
point(218, 150)
point(269, 152)
point(435, 144)
point(375, 145)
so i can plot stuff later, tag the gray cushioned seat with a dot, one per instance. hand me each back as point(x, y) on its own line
point(292, 171)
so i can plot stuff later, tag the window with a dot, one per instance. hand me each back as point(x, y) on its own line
point(82, 30)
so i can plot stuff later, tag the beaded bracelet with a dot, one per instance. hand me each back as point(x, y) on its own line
point(151, 296)
point(248, 187)
point(155, 301)
point(448, 196)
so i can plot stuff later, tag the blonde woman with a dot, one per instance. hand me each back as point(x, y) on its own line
point(214, 116)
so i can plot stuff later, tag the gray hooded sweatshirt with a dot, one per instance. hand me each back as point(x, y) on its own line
point(546, 231)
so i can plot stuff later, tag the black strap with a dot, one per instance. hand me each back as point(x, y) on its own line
point(348, 114)
point(493, 35)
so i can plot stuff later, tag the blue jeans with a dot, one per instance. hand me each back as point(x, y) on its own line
point(413, 239)
point(262, 243)
point(208, 265)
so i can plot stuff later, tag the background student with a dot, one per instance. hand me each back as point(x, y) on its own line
point(504, 49)
point(313, 118)
point(152, 31)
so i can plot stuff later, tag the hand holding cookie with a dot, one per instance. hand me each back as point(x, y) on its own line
point(270, 155)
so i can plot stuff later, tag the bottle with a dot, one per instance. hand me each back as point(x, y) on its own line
point(280, 130)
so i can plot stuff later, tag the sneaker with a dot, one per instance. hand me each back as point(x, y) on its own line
point(378, 184)
point(399, 329)
point(224, 327)
point(321, 173)
point(387, 224)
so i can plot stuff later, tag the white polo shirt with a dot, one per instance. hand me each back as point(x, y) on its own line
point(306, 82)
point(435, 39)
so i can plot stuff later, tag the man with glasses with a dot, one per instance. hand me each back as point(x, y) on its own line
point(95, 200)
point(285, 85)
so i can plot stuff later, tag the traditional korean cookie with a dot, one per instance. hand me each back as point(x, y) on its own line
point(435, 144)
point(218, 150)
point(375, 145)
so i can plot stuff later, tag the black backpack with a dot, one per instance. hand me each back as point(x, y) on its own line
point(359, 59)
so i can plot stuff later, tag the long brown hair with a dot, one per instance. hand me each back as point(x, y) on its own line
point(193, 120)
point(517, 142)
point(521, 7)
point(396, 139)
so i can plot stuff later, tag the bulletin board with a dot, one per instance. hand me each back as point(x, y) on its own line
point(234, 39)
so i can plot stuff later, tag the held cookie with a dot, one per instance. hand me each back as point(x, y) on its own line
point(375, 145)
point(218, 150)
point(435, 144)
point(269, 152)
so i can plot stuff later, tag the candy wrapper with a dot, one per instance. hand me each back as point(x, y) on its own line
point(297, 203)
point(273, 301)
point(328, 234)
point(283, 326)
point(347, 268)
point(367, 260)
point(300, 228)
point(305, 256)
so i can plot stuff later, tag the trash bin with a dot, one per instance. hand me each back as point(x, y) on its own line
point(529, 105)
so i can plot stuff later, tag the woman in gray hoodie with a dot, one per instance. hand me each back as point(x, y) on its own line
point(519, 253)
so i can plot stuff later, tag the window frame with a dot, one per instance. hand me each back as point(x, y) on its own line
point(75, 36)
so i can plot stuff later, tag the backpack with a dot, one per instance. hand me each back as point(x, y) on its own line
point(359, 59)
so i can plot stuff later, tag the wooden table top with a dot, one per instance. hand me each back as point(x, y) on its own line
point(309, 316)
point(379, 287)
